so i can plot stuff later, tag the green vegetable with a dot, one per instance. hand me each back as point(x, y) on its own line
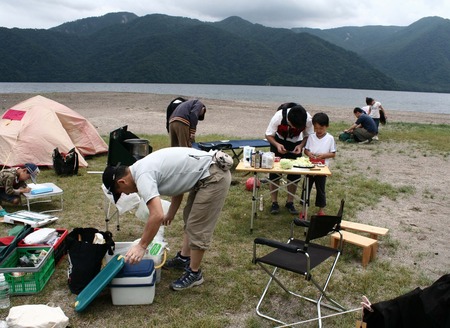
point(286, 164)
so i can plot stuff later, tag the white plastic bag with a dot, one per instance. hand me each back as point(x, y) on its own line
point(41, 236)
point(142, 211)
point(36, 316)
point(125, 203)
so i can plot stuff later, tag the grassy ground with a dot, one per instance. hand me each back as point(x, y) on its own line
point(232, 283)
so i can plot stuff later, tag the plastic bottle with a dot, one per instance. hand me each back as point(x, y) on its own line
point(257, 160)
point(4, 293)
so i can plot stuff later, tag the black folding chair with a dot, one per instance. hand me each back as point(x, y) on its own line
point(301, 257)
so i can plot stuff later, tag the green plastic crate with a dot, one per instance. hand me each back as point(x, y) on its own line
point(6, 250)
point(27, 280)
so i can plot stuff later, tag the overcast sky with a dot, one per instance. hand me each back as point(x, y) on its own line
point(272, 13)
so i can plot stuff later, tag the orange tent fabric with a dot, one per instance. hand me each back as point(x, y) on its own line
point(32, 129)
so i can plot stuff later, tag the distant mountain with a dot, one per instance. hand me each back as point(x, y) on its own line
point(122, 47)
point(353, 38)
point(92, 25)
point(306, 59)
point(416, 56)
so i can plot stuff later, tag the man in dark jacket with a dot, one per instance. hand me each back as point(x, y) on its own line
point(183, 122)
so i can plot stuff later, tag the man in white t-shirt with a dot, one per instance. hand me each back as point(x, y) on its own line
point(172, 172)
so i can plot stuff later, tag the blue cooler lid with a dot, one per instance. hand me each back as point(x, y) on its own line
point(90, 292)
point(141, 269)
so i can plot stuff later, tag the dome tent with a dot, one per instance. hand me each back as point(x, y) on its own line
point(32, 129)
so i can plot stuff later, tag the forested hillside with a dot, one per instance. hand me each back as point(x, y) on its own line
point(416, 56)
point(122, 47)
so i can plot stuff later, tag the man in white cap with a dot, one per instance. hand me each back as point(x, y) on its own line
point(173, 172)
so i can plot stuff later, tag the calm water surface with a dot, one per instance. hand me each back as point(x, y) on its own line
point(391, 100)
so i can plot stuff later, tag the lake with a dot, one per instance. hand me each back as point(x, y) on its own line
point(391, 100)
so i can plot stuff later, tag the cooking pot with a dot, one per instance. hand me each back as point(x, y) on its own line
point(139, 148)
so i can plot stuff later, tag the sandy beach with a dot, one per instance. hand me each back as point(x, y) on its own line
point(145, 113)
point(418, 222)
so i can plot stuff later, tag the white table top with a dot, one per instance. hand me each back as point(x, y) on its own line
point(56, 190)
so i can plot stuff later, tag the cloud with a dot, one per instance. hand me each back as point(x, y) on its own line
point(272, 13)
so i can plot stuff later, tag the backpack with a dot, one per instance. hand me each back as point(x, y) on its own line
point(383, 120)
point(284, 129)
point(284, 107)
point(344, 136)
point(65, 163)
point(171, 107)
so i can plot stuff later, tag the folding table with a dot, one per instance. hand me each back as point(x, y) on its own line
point(306, 172)
point(55, 191)
point(236, 146)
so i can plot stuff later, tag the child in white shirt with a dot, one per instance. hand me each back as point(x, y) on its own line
point(320, 147)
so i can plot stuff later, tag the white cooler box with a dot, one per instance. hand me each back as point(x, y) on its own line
point(134, 284)
point(155, 252)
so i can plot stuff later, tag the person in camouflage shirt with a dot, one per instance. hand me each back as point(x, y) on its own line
point(13, 183)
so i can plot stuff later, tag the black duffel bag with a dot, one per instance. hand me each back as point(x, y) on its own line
point(85, 257)
point(65, 163)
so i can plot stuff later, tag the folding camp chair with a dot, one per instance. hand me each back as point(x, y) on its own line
point(114, 210)
point(301, 257)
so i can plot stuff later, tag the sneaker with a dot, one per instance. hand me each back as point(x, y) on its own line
point(177, 262)
point(3, 212)
point(375, 138)
point(189, 279)
point(275, 209)
point(291, 208)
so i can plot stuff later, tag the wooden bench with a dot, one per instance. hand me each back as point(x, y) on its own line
point(373, 231)
point(369, 245)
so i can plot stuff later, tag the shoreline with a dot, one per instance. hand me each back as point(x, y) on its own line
point(144, 113)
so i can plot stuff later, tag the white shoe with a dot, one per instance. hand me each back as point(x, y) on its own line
point(375, 138)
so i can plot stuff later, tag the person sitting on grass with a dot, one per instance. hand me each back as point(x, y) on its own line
point(364, 129)
point(12, 183)
point(320, 147)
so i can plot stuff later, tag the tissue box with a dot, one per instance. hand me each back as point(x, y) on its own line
point(41, 190)
point(134, 284)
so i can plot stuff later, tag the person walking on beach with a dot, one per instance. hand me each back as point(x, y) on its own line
point(287, 133)
point(376, 112)
point(183, 122)
point(320, 147)
point(364, 129)
point(13, 183)
point(172, 172)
